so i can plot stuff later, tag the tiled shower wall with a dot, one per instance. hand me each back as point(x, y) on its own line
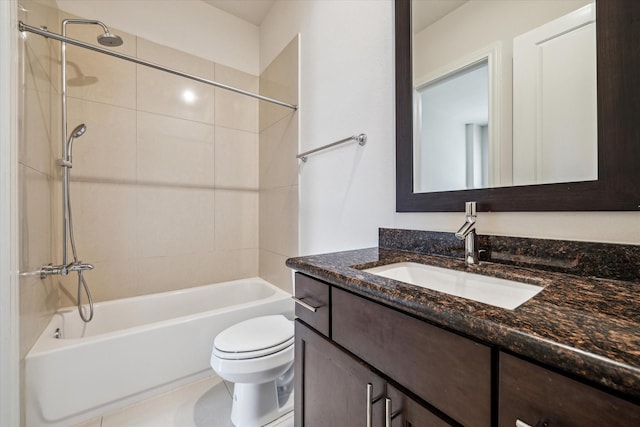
point(169, 184)
point(279, 168)
point(165, 180)
point(165, 183)
point(38, 124)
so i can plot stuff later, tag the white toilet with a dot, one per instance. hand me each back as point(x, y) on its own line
point(257, 356)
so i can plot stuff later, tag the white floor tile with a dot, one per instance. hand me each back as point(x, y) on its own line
point(96, 422)
point(283, 421)
point(205, 403)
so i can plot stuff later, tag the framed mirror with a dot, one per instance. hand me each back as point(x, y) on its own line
point(611, 183)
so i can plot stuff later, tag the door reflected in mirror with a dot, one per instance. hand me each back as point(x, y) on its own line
point(504, 93)
point(452, 134)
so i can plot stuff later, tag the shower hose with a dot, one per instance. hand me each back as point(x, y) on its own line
point(82, 283)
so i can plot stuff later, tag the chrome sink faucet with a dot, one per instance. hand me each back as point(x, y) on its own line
point(468, 233)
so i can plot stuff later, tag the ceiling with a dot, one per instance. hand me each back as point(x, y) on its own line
point(426, 12)
point(252, 11)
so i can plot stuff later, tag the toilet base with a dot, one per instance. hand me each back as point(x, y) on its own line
point(255, 405)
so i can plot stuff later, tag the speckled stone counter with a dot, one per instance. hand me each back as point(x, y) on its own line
point(585, 326)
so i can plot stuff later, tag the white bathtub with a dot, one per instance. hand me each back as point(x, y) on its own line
point(135, 348)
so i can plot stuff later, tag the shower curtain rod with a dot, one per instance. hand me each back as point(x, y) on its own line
point(48, 34)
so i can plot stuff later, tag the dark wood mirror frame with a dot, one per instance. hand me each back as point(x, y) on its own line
point(618, 81)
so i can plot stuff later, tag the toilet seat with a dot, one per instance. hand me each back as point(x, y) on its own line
point(257, 337)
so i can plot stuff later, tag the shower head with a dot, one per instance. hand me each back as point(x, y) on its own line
point(79, 131)
point(76, 133)
point(110, 40)
point(106, 39)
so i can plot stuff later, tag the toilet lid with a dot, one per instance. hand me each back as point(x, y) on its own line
point(254, 337)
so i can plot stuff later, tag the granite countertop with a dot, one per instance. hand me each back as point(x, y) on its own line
point(587, 327)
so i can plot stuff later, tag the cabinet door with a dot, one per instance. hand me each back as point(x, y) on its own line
point(536, 396)
point(331, 386)
point(450, 372)
point(406, 412)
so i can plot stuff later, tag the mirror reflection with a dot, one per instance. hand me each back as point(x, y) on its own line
point(504, 93)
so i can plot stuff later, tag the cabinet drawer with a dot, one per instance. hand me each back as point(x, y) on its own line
point(450, 372)
point(533, 395)
point(313, 294)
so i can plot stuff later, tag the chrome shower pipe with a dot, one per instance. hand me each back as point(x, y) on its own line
point(25, 27)
point(64, 160)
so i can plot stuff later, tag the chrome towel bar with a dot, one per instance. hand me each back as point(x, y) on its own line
point(362, 139)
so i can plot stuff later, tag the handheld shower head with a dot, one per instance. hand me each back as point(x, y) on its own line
point(77, 132)
point(110, 40)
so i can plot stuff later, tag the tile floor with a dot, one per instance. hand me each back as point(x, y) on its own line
point(206, 403)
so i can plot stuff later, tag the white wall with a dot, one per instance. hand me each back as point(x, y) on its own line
point(347, 86)
point(191, 26)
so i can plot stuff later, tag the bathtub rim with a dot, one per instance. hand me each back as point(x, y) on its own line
point(47, 344)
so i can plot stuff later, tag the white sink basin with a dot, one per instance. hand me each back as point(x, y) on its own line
point(489, 290)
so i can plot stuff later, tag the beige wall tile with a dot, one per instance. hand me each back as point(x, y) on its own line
point(175, 151)
point(176, 59)
point(233, 110)
point(278, 150)
point(163, 93)
point(67, 290)
point(97, 77)
point(38, 298)
point(279, 220)
point(108, 280)
point(41, 53)
point(236, 159)
point(38, 301)
point(279, 81)
point(35, 219)
point(166, 273)
point(174, 221)
point(104, 217)
point(278, 170)
point(35, 148)
point(236, 219)
point(231, 265)
point(107, 151)
point(274, 270)
point(159, 274)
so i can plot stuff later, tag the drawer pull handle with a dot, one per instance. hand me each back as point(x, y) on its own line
point(389, 415)
point(369, 404)
point(306, 305)
point(387, 412)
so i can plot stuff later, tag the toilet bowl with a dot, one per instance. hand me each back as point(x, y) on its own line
point(257, 356)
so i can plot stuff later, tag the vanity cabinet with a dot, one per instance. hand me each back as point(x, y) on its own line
point(532, 396)
point(360, 360)
point(336, 371)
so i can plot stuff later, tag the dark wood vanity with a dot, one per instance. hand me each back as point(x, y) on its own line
point(362, 363)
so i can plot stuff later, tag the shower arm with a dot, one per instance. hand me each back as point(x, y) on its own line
point(48, 34)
